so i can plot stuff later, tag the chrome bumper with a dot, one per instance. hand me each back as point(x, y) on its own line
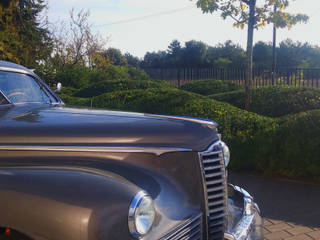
point(244, 220)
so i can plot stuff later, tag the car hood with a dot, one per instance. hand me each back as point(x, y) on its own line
point(36, 124)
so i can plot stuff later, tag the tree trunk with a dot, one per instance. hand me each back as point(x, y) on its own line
point(274, 48)
point(249, 76)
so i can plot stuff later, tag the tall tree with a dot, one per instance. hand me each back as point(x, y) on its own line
point(24, 37)
point(248, 12)
point(75, 42)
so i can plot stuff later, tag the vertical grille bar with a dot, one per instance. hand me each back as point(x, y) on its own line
point(215, 186)
point(190, 230)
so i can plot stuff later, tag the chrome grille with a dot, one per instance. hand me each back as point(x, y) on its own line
point(190, 230)
point(215, 187)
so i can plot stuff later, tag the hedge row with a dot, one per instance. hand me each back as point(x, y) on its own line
point(235, 124)
point(208, 87)
point(275, 101)
point(292, 150)
point(99, 88)
point(80, 76)
point(287, 146)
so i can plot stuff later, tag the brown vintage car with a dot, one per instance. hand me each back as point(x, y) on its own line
point(76, 174)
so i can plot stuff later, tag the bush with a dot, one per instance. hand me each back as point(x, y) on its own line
point(137, 73)
point(236, 125)
point(110, 86)
point(75, 101)
point(275, 101)
point(291, 150)
point(208, 87)
point(287, 146)
point(68, 91)
point(73, 76)
point(80, 76)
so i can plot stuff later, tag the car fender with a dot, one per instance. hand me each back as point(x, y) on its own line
point(73, 204)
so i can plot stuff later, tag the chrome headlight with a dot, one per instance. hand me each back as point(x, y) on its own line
point(141, 214)
point(226, 153)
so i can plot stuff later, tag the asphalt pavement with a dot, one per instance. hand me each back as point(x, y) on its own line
point(298, 203)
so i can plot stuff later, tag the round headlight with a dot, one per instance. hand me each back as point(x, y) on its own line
point(141, 214)
point(226, 153)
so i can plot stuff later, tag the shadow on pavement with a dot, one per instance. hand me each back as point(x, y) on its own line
point(287, 201)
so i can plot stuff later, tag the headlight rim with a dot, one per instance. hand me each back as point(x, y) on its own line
point(135, 203)
point(225, 149)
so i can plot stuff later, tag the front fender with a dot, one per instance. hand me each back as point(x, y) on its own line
point(73, 204)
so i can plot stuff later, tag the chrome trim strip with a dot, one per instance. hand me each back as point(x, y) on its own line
point(17, 70)
point(135, 203)
point(250, 220)
point(190, 119)
point(5, 97)
point(182, 226)
point(155, 150)
point(223, 181)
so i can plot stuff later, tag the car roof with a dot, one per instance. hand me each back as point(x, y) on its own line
point(12, 67)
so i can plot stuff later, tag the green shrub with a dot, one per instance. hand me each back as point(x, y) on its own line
point(80, 76)
point(73, 76)
point(291, 150)
point(75, 101)
point(275, 101)
point(110, 86)
point(287, 146)
point(236, 125)
point(68, 91)
point(208, 87)
point(137, 73)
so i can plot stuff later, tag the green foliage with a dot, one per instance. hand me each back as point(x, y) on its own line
point(236, 125)
point(290, 150)
point(137, 74)
point(78, 76)
point(208, 87)
point(75, 101)
point(287, 146)
point(275, 101)
point(110, 72)
point(222, 63)
point(110, 86)
point(239, 11)
point(114, 56)
point(23, 39)
point(74, 76)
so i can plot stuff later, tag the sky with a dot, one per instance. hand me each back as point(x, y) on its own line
point(125, 23)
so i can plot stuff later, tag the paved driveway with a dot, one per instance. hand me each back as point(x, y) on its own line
point(291, 210)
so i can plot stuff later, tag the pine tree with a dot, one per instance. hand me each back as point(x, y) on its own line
point(24, 38)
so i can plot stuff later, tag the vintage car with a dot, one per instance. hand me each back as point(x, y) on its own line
point(78, 174)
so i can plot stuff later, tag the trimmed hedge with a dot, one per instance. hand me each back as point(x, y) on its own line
point(287, 146)
point(235, 124)
point(80, 76)
point(208, 87)
point(275, 101)
point(110, 86)
point(75, 101)
point(292, 150)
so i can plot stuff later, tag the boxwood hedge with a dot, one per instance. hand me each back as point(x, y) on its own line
point(208, 87)
point(291, 150)
point(110, 86)
point(275, 101)
point(235, 124)
point(287, 146)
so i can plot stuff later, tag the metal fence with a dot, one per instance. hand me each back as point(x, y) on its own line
point(262, 76)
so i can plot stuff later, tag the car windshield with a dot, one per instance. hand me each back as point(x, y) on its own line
point(21, 88)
